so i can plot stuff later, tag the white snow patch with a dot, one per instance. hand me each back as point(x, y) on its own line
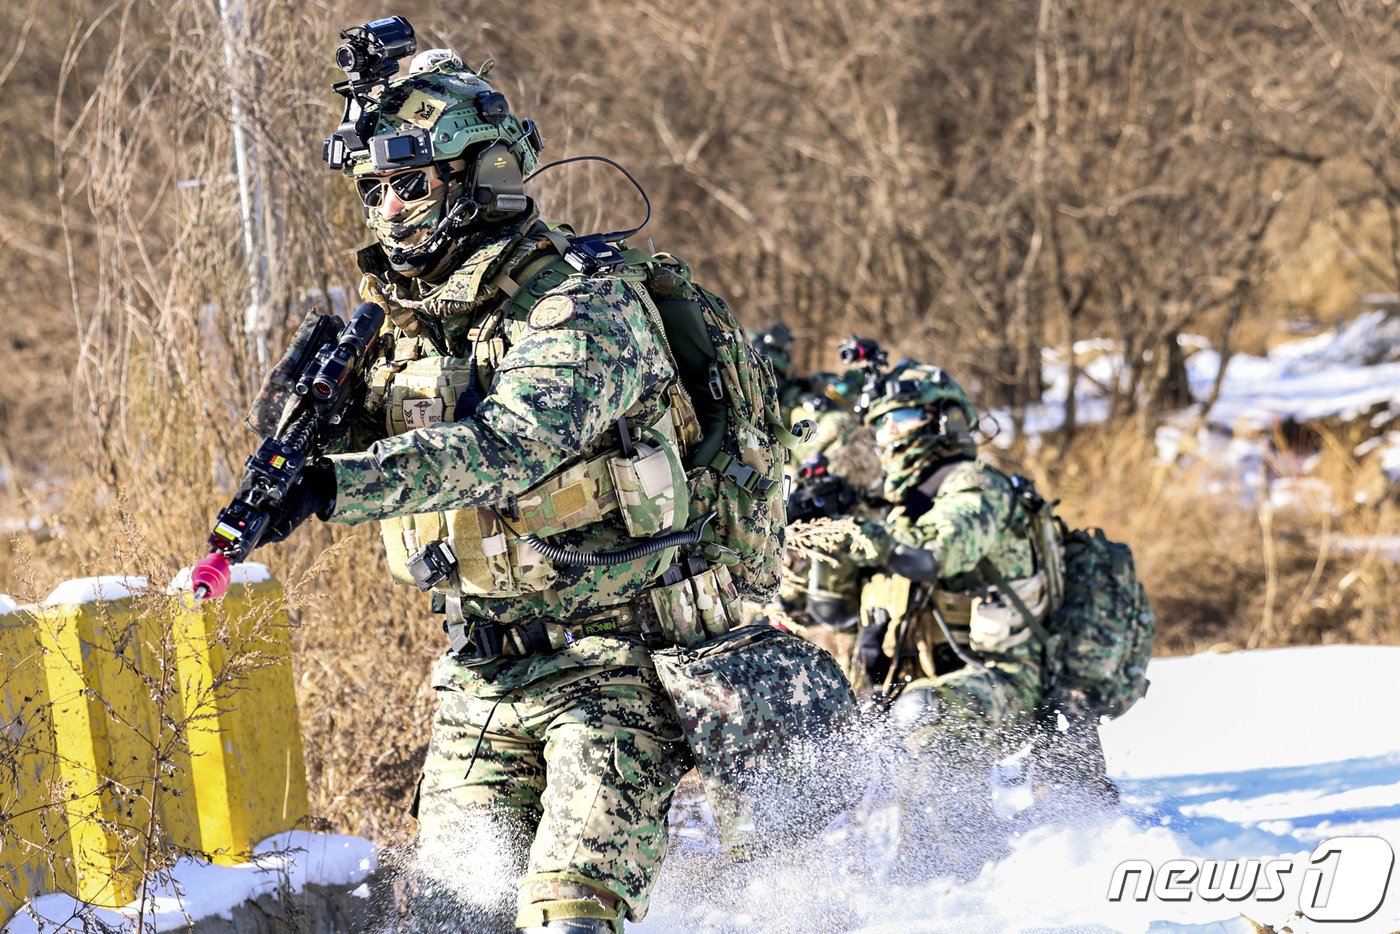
point(195, 889)
point(96, 589)
point(1250, 755)
point(8, 604)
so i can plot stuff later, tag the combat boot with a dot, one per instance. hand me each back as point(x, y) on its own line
point(573, 926)
point(564, 906)
point(1069, 776)
point(946, 823)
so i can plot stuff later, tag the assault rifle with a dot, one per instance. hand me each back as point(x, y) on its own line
point(821, 494)
point(299, 411)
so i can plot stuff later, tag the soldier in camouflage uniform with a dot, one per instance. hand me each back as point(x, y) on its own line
point(954, 520)
point(504, 412)
point(834, 472)
point(819, 600)
point(955, 541)
point(822, 399)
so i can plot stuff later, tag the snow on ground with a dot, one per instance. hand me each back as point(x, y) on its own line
point(195, 889)
point(1246, 756)
point(1253, 755)
point(1340, 373)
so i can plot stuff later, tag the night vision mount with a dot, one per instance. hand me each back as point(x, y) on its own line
point(865, 353)
point(369, 56)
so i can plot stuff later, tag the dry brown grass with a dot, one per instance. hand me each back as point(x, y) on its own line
point(840, 165)
point(1221, 571)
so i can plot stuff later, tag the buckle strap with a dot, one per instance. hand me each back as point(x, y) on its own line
point(478, 641)
point(740, 474)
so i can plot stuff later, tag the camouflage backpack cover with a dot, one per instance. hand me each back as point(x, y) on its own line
point(1099, 632)
point(1100, 638)
point(735, 467)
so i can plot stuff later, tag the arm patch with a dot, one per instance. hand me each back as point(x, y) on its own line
point(552, 311)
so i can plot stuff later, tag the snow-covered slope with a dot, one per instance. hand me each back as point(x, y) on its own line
point(1251, 755)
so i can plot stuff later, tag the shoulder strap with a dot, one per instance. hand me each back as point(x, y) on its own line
point(920, 500)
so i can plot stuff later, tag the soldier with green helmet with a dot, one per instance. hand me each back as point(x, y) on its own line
point(834, 472)
point(954, 597)
point(823, 399)
point(521, 445)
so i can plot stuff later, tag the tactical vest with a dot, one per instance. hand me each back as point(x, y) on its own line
point(606, 496)
point(977, 613)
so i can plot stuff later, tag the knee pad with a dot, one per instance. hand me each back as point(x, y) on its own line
point(573, 926)
point(917, 705)
point(833, 612)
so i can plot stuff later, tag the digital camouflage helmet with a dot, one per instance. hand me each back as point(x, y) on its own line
point(921, 416)
point(418, 127)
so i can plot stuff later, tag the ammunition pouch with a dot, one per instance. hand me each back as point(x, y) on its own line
point(695, 608)
point(996, 623)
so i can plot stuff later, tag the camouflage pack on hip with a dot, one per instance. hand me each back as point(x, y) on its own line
point(761, 710)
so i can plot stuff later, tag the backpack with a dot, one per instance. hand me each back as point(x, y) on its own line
point(1100, 638)
point(1099, 633)
point(735, 466)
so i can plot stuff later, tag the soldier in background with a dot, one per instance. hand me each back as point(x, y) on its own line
point(952, 609)
point(824, 399)
point(834, 472)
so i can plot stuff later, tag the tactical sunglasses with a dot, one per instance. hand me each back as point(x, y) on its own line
point(413, 185)
point(895, 425)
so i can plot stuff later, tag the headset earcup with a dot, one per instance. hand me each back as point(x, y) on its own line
point(497, 182)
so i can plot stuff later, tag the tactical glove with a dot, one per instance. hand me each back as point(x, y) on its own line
point(917, 564)
point(870, 649)
point(312, 495)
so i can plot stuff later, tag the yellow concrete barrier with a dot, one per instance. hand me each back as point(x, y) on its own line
point(238, 692)
point(144, 722)
point(33, 853)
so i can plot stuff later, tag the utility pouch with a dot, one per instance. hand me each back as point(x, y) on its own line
point(997, 624)
point(695, 609)
point(651, 488)
point(717, 601)
point(763, 712)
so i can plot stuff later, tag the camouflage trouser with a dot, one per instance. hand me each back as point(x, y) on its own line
point(586, 765)
point(959, 725)
point(992, 707)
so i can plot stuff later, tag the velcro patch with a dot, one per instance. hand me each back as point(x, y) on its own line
point(422, 413)
point(421, 109)
point(569, 500)
point(551, 312)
